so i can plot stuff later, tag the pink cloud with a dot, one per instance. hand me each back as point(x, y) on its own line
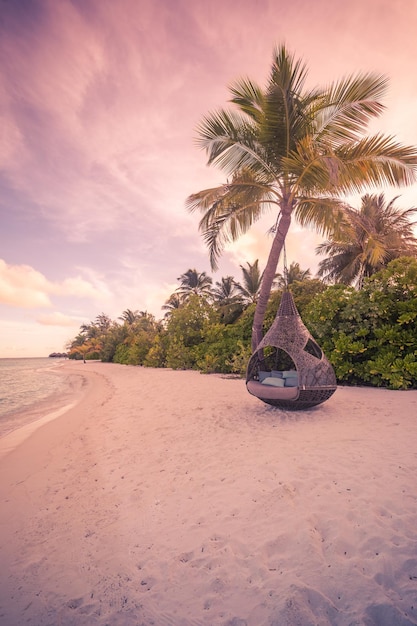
point(23, 286)
point(58, 319)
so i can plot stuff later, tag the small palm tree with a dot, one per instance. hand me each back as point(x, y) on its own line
point(174, 302)
point(367, 240)
point(226, 290)
point(252, 280)
point(228, 300)
point(103, 322)
point(292, 275)
point(129, 317)
point(89, 346)
point(193, 282)
point(295, 150)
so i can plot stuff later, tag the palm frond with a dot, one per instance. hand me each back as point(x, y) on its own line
point(372, 161)
point(376, 161)
point(249, 97)
point(230, 210)
point(342, 267)
point(312, 170)
point(287, 72)
point(231, 143)
point(347, 107)
point(326, 214)
point(288, 107)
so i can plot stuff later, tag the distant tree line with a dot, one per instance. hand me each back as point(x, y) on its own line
point(368, 334)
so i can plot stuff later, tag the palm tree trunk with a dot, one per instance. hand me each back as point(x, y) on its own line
point(268, 277)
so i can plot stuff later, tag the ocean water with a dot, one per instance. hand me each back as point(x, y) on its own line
point(24, 385)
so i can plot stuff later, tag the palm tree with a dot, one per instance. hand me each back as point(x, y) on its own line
point(193, 282)
point(103, 322)
point(227, 298)
point(89, 331)
point(296, 150)
point(174, 302)
point(130, 317)
point(226, 290)
point(82, 348)
point(292, 275)
point(96, 329)
point(252, 279)
point(367, 241)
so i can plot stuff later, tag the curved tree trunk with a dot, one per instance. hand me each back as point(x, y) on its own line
point(268, 277)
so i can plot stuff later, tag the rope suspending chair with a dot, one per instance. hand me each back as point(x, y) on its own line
point(288, 369)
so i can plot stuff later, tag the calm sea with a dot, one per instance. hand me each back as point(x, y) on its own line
point(25, 384)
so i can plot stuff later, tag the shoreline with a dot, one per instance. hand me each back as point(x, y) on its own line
point(171, 497)
point(12, 439)
point(16, 419)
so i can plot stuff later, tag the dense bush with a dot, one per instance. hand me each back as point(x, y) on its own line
point(370, 336)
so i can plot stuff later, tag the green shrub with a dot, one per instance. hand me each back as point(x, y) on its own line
point(370, 336)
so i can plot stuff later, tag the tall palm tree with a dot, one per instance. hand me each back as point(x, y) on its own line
point(252, 280)
point(297, 150)
point(193, 282)
point(367, 241)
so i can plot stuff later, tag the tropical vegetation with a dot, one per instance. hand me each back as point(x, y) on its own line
point(368, 334)
point(296, 150)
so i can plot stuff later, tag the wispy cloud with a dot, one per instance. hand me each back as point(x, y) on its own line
point(58, 319)
point(99, 101)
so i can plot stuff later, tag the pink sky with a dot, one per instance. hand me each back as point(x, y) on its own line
point(99, 100)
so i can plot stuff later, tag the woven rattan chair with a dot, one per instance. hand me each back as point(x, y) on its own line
point(288, 345)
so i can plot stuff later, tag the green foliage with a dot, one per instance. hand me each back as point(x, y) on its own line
point(185, 332)
point(179, 356)
point(238, 363)
point(156, 356)
point(134, 338)
point(140, 346)
point(370, 336)
point(196, 337)
point(121, 354)
point(110, 341)
point(220, 350)
point(304, 291)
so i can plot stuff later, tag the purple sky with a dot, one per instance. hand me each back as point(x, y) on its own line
point(99, 100)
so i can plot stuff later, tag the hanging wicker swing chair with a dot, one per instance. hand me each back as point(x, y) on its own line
point(288, 369)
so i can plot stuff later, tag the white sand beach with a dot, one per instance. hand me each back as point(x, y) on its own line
point(172, 498)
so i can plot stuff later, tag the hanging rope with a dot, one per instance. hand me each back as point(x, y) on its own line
point(285, 267)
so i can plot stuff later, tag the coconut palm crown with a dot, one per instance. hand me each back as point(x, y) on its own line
point(193, 282)
point(251, 281)
point(367, 241)
point(296, 151)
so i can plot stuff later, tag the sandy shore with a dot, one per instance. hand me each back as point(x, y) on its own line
point(177, 499)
